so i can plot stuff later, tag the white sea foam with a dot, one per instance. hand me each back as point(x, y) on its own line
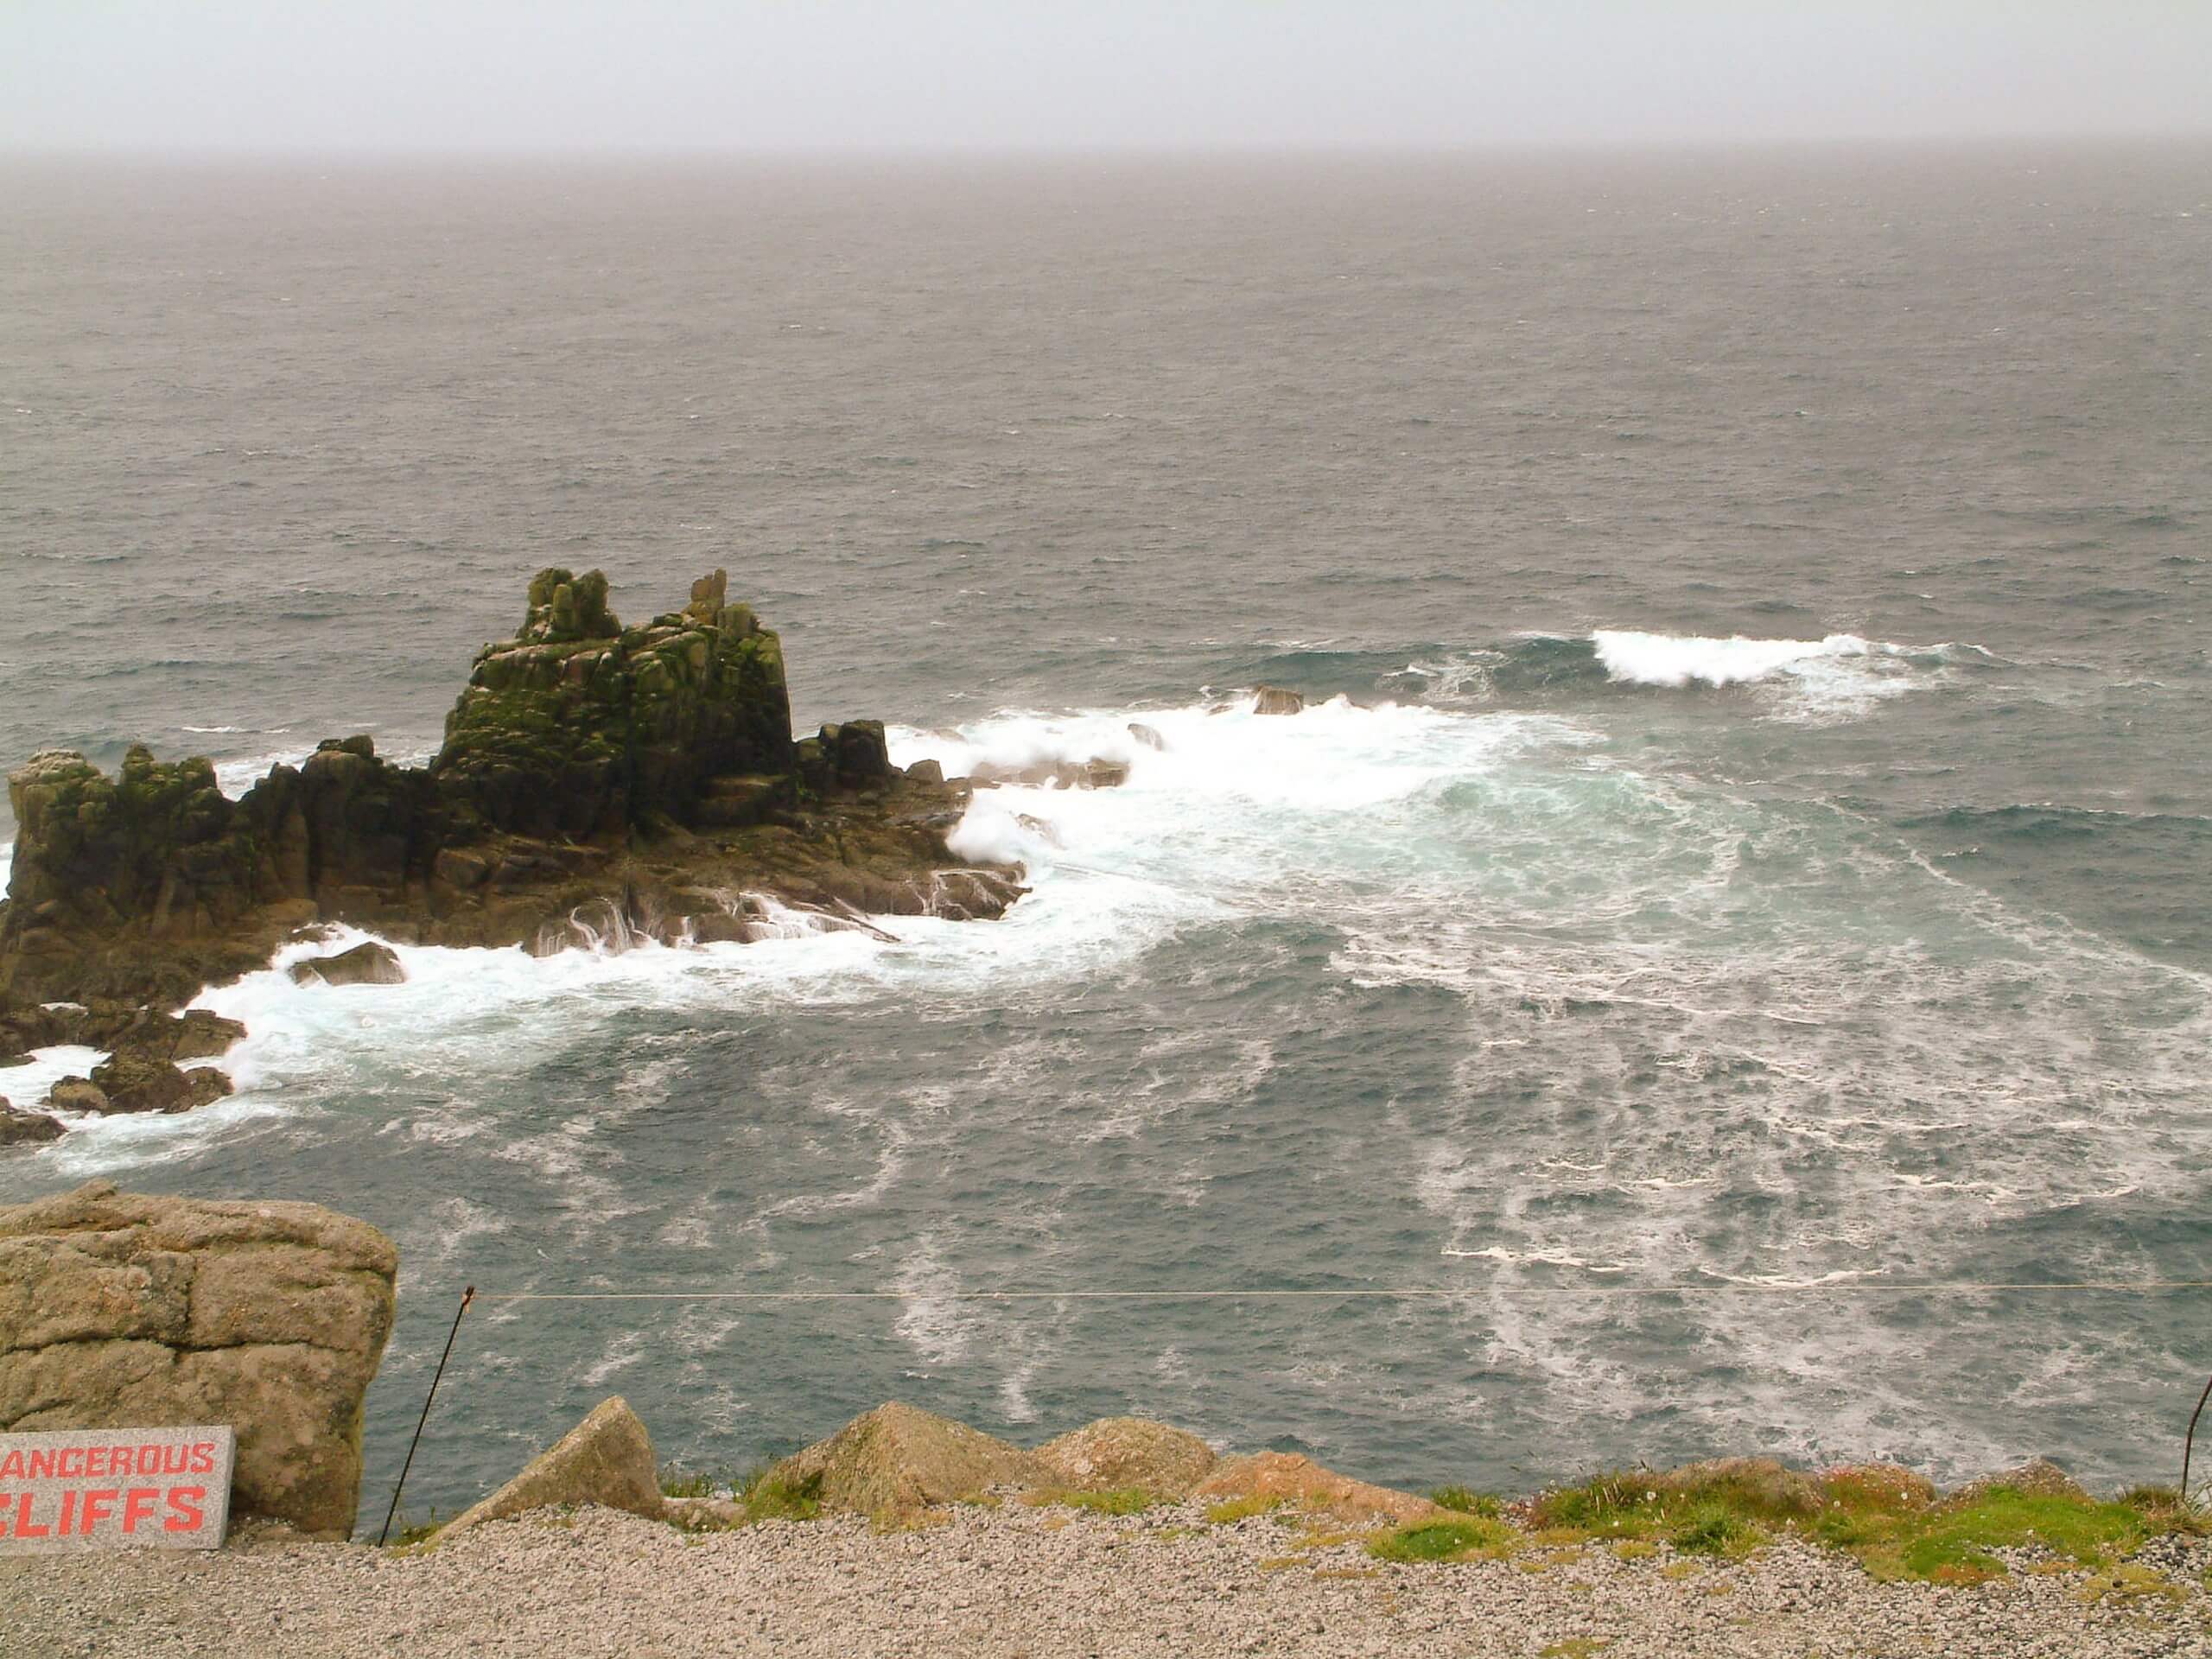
point(1840, 675)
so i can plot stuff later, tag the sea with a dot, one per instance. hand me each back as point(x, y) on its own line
point(1736, 894)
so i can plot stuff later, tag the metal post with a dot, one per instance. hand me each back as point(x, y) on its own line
point(466, 1297)
point(2189, 1440)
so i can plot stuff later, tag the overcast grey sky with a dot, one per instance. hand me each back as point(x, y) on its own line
point(809, 74)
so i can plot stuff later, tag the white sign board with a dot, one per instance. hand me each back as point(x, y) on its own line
point(115, 1489)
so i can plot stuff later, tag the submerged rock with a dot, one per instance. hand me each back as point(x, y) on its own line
point(898, 1460)
point(22, 1129)
point(1118, 1453)
point(1276, 700)
point(1300, 1481)
point(369, 963)
point(118, 1310)
point(607, 1459)
point(1097, 772)
point(1147, 736)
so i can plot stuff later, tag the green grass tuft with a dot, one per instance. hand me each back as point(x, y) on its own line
point(1464, 1500)
point(1441, 1541)
point(1121, 1500)
point(1713, 1528)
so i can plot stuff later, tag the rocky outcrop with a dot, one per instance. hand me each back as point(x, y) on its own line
point(898, 1460)
point(118, 1310)
point(133, 1082)
point(607, 1459)
point(1280, 1477)
point(588, 770)
point(1128, 1453)
point(21, 1128)
point(369, 963)
point(1276, 700)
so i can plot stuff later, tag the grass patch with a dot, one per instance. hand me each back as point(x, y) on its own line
point(677, 1481)
point(1121, 1500)
point(1713, 1529)
point(410, 1532)
point(761, 1497)
point(1951, 1544)
point(1441, 1541)
point(1463, 1500)
point(1230, 1511)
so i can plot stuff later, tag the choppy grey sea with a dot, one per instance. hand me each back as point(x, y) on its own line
point(1749, 835)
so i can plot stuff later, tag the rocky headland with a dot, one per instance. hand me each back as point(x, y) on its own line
point(598, 785)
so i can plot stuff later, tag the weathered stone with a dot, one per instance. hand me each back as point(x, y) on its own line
point(1117, 1453)
point(607, 1459)
point(926, 771)
point(1282, 1476)
point(1276, 700)
point(21, 1128)
point(135, 1083)
point(77, 1095)
point(898, 1460)
point(1147, 735)
point(118, 1310)
point(370, 962)
point(2040, 1477)
point(203, 1035)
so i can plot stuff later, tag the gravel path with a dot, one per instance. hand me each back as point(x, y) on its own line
point(1016, 1581)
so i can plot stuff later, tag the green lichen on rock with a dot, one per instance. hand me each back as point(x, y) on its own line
point(579, 726)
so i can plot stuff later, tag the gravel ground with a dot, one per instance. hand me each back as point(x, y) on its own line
point(1042, 1583)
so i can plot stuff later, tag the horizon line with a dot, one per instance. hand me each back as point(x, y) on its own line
point(1210, 149)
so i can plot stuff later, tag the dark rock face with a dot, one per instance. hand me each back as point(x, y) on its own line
point(364, 964)
point(587, 768)
point(27, 1128)
point(136, 1083)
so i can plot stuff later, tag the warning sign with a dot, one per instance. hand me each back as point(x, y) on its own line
point(115, 1489)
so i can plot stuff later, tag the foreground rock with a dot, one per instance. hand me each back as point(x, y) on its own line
point(1282, 1477)
point(121, 1310)
point(1128, 1453)
point(897, 1460)
point(598, 783)
point(607, 1459)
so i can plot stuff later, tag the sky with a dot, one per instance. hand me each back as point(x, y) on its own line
point(780, 75)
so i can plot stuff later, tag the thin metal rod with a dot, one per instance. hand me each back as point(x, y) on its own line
point(2189, 1440)
point(467, 1296)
